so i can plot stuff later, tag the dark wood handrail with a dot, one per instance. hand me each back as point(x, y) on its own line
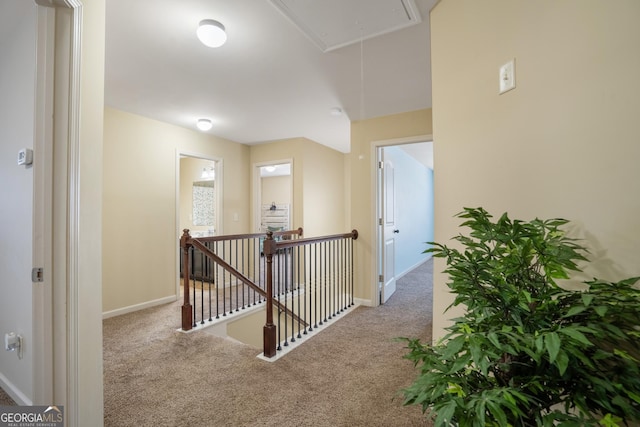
point(296, 232)
point(300, 242)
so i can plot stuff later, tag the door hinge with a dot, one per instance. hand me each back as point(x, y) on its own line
point(379, 221)
point(381, 278)
point(37, 274)
point(380, 165)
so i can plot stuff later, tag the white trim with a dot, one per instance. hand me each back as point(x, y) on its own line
point(219, 189)
point(42, 302)
point(66, 190)
point(299, 341)
point(364, 302)
point(413, 267)
point(141, 306)
point(14, 392)
point(375, 203)
point(218, 326)
point(73, 239)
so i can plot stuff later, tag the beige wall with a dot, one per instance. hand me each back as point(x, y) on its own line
point(564, 143)
point(276, 189)
point(324, 203)
point(361, 167)
point(319, 171)
point(139, 227)
point(289, 149)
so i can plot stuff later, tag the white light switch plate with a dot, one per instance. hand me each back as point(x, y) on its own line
point(508, 76)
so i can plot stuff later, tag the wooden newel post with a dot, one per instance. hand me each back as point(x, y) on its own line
point(187, 311)
point(269, 336)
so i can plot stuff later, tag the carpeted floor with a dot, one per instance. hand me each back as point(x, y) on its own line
point(5, 400)
point(348, 375)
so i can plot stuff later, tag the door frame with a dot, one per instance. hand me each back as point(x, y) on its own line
point(68, 373)
point(257, 192)
point(376, 201)
point(219, 194)
point(56, 198)
point(66, 200)
point(42, 296)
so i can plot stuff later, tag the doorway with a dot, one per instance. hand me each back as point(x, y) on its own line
point(404, 209)
point(273, 196)
point(199, 195)
point(198, 199)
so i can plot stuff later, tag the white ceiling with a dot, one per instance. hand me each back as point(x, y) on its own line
point(270, 81)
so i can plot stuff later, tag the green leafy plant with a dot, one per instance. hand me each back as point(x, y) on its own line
point(528, 352)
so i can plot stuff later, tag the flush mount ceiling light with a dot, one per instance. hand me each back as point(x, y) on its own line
point(204, 124)
point(208, 174)
point(211, 33)
point(335, 111)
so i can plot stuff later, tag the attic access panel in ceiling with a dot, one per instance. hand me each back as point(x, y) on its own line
point(332, 24)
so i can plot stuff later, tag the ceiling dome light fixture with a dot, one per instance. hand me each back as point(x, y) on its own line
point(211, 33)
point(204, 124)
point(208, 174)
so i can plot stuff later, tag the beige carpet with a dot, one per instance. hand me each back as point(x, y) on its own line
point(348, 375)
point(5, 399)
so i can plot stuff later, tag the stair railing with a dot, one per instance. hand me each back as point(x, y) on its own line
point(303, 282)
point(227, 271)
point(316, 274)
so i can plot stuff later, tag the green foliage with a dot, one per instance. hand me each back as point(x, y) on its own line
point(528, 352)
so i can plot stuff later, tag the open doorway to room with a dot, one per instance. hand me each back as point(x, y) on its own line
point(404, 209)
point(198, 198)
point(273, 196)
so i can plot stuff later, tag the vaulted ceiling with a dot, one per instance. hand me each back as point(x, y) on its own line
point(286, 68)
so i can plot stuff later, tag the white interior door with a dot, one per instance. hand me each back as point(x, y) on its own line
point(388, 232)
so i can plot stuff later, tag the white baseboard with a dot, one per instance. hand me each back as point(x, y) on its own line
point(219, 326)
point(136, 307)
point(413, 267)
point(299, 341)
point(365, 302)
point(19, 397)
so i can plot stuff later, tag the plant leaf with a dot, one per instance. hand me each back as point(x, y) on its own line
point(576, 335)
point(444, 414)
point(575, 310)
point(562, 362)
point(552, 344)
point(586, 299)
